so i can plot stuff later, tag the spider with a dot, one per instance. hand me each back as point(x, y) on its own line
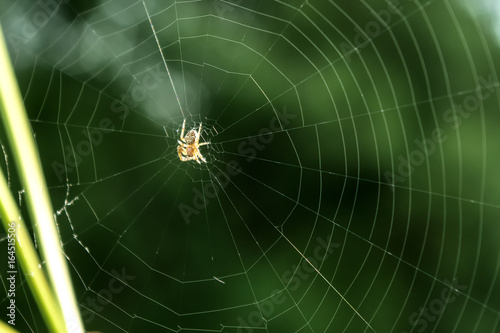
point(189, 146)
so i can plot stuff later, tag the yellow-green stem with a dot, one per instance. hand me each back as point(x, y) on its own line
point(6, 328)
point(28, 259)
point(29, 168)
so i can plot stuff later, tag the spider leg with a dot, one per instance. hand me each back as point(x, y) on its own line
point(186, 158)
point(203, 143)
point(198, 134)
point(183, 126)
point(181, 151)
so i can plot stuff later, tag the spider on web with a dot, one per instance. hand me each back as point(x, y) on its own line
point(189, 145)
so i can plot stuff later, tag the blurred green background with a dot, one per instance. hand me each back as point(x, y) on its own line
point(371, 127)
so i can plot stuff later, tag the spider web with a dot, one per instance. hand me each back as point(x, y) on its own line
point(350, 182)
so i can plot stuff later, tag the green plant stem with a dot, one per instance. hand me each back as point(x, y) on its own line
point(28, 164)
point(4, 328)
point(28, 260)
